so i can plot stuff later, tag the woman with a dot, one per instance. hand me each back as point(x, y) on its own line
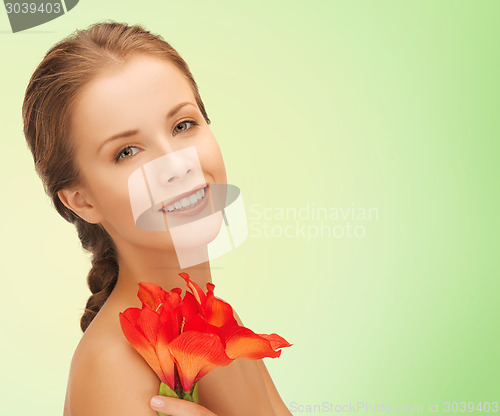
point(98, 82)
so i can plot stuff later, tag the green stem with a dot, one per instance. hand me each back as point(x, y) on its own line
point(191, 396)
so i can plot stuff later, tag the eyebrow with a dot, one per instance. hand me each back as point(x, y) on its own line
point(129, 133)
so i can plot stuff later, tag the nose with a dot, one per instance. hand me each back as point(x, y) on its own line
point(174, 171)
point(177, 166)
point(163, 179)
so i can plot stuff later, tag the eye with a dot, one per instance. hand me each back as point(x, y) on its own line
point(125, 153)
point(183, 124)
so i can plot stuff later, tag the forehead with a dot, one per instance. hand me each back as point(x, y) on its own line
point(125, 97)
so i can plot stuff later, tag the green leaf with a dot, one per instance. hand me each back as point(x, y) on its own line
point(165, 390)
point(191, 396)
point(195, 394)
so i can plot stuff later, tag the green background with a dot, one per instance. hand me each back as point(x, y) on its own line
point(390, 105)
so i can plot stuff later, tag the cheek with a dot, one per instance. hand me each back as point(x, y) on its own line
point(106, 181)
point(211, 160)
point(112, 195)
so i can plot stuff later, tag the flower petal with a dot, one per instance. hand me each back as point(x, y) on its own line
point(216, 311)
point(197, 353)
point(167, 363)
point(195, 289)
point(148, 322)
point(190, 307)
point(143, 346)
point(173, 298)
point(128, 320)
point(169, 325)
point(200, 325)
point(151, 294)
point(169, 329)
point(242, 342)
point(276, 341)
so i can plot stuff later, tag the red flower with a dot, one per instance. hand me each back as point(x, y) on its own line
point(182, 340)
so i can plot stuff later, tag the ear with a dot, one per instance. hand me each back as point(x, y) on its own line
point(80, 204)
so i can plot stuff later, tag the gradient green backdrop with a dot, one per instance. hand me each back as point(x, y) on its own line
point(390, 105)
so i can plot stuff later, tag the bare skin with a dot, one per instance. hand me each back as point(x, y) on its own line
point(107, 375)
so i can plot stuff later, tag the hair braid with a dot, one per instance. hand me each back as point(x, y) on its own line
point(103, 275)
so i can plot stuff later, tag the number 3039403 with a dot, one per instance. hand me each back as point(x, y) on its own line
point(33, 8)
point(462, 407)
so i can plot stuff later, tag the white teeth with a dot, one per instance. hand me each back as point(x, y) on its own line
point(186, 201)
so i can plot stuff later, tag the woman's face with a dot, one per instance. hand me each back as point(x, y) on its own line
point(151, 100)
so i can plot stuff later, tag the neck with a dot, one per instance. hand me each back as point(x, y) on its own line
point(146, 264)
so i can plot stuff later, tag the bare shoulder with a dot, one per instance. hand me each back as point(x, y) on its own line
point(108, 376)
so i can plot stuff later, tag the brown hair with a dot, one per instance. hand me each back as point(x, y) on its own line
point(66, 68)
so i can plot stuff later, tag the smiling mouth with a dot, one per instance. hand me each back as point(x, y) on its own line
point(188, 202)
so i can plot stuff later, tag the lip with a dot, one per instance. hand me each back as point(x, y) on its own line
point(179, 197)
point(189, 210)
